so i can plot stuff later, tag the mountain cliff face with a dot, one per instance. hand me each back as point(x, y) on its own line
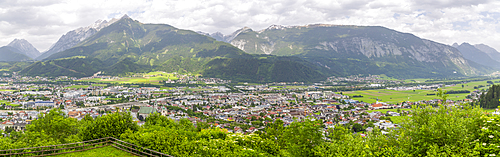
point(24, 48)
point(74, 37)
point(348, 50)
point(130, 46)
point(494, 54)
point(472, 53)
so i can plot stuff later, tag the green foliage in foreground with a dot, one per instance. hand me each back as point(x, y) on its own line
point(429, 131)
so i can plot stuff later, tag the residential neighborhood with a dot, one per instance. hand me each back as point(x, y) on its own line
point(240, 108)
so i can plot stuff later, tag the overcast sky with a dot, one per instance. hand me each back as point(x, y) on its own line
point(42, 22)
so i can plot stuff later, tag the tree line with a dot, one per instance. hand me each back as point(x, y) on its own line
point(434, 131)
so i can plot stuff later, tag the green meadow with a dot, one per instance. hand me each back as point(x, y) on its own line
point(393, 96)
point(152, 77)
point(77, 86)
point(397, 119)
point(8, 103)
point(99, 85)
point(385, 110)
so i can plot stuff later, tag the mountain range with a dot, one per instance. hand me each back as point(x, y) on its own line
point(352, 50)
point(472, 53)
point(307, 53)
point(74, 37)
point(128, 46)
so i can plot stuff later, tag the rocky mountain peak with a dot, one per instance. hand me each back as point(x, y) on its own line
point(25, 47)
point(74, 37)
point(276, 27)
point(125, 17)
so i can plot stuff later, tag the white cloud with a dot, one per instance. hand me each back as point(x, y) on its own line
point(445, 21)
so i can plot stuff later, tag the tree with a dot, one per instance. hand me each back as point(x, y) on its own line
point(55, 125)
point(442, 94)
point(357, 127)
point(262, 114)
point(301, 137)
point(111, 125)
point(491, 98)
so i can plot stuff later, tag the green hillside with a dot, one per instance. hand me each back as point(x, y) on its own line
point(128, 46)
point(75, 67)
point(13, 66)
point(9, 54)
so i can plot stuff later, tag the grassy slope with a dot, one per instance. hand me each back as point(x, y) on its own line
point(108, 151)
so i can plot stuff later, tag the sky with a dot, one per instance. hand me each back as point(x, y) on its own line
point(43, 22)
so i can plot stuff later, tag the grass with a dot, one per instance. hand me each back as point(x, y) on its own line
point(397, 119)
point(112, 99)
point(152, 77)
point(489, 110)
point(385, 110)
point(107, 151)
point(125, 80)
point(99, 85)
point(77, 86)
point(8, 103)
point(392, 96)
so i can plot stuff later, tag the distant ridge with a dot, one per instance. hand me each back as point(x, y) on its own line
point(25, 48)
point(350, 50)
point(470, 52)
point(129, 46)
point(11, 54)
point(494, 54)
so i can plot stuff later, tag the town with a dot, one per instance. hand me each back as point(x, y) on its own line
point(240, 108)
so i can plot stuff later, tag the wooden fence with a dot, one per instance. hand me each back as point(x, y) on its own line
point(83, 146)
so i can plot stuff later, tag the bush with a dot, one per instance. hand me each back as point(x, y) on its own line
point(112, 125)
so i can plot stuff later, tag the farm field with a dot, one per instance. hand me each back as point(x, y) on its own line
point(7, 90)
point(99, 85)
point(8, 103)
point(77, 86)
point(152, 77)
point(385, 110)
point(393, 96)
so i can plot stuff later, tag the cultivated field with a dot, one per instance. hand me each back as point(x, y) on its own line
point(392, 96)
point(152, 77)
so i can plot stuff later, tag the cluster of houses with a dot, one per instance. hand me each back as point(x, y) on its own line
point(371, 79)
point(251, 107)
point(329, 107)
